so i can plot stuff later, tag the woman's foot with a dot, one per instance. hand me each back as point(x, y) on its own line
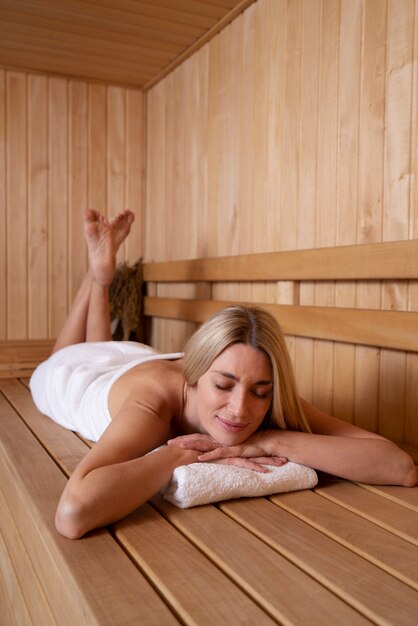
point(121, 225)
point(103, 239)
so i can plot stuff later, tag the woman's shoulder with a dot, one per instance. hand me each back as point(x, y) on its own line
point(156, 384)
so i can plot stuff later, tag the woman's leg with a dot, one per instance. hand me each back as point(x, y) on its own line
point(89, 318)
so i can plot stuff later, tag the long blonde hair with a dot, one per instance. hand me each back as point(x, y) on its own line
point(255, 327)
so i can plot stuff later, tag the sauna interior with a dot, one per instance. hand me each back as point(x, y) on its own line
point(228, 127)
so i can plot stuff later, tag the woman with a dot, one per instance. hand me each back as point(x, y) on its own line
point(231, 398)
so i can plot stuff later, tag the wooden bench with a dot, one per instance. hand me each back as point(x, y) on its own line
point(341, 553)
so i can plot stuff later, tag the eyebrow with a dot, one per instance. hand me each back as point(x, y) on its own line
point(236, 379)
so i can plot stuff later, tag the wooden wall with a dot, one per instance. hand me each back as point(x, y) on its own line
point(65, 146)
point(296, 127)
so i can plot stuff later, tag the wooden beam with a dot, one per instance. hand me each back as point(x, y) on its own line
point(379, 261)
point(387, 329)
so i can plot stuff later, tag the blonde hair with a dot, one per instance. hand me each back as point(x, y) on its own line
point(255, 327)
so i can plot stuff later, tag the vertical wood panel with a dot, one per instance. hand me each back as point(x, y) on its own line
point(347, 189)
point(16, 186)
point(78, 194)
point(326, 196)
point(55, 163)
point(58, 203)
point(135, 165)
point(38, 206)
point(396, 210)
point(370, 195)
point(3, 219)
point(97, 138)
point(311, 22)
point(411, 428)
point(116, 154)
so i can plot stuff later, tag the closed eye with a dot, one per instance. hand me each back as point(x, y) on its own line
point(262, 395)
point(223, 387)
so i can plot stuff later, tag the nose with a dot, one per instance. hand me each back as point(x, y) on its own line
point(238, 404)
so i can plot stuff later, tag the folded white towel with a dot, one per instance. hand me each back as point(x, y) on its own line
point(201, 483)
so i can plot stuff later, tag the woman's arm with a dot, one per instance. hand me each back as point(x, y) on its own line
point(115, 477)
point(335, 447)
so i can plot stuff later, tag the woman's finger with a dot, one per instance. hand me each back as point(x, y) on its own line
point(245, 463)
point(195, 441)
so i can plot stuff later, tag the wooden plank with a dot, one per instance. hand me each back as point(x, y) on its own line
point(375, 594)
point(77, 183)
point(24, 354)
point(285, 592)
point(3, 209)
point(116, 154)
point(375, 544)
point(57, 204)
point(402, 521)
point(394, 259)
point(224, 21)
point(391, 329)
point(26, 577)
point(16, 197)
point(37, 206)
point(75, 573)
point(8, 613)
point(63, 445)
point(13, 600)
point(401, 495)
point(197, 591)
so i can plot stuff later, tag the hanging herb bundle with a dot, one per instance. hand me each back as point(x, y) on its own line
point(125, 296)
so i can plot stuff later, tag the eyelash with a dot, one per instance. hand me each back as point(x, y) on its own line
point(260, 396)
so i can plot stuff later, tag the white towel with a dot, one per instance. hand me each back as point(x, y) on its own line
point(202, 483)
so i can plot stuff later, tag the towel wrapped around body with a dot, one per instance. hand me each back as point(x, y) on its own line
point(203, 483)
point(73, 385)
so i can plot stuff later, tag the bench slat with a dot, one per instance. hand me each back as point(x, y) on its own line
point(268, 577)
point(25, 574)
point(198, 591)
point(377, 595)
point(32, 484)
point(387, 329)
point(400, 520)
point(388, 260)
point(379, 546)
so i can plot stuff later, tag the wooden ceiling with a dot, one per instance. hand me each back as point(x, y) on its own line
point(129, 42)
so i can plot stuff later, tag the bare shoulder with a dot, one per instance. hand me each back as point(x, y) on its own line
point(156, 386)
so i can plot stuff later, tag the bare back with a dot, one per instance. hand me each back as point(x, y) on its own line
point(155, 387)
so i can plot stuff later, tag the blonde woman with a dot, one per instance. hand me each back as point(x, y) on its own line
point(230, 398)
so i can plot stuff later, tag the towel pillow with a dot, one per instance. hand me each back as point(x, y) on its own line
point(202, 483)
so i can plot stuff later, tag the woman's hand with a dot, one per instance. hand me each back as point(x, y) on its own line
point(195, 441)
point(251, 454)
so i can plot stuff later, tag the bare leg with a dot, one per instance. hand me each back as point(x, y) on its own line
point(89, 318)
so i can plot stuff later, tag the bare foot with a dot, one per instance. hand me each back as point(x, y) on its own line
point(121, 225)
point(101, 247)
point(103, 239)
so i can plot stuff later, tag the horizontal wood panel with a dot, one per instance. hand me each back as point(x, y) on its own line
point(389, 260)
point(389, 329)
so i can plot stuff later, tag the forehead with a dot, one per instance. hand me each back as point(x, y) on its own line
point(240, 359)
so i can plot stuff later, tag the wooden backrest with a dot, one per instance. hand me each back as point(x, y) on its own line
point(364, 262)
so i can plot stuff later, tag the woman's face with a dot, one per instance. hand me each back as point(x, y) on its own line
point(234, 395)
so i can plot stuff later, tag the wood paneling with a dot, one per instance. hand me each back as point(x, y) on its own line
point(65, 146)
point(305, 131)
point(127, 42)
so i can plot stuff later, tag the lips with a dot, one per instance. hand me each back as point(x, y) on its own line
point(232, 427)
